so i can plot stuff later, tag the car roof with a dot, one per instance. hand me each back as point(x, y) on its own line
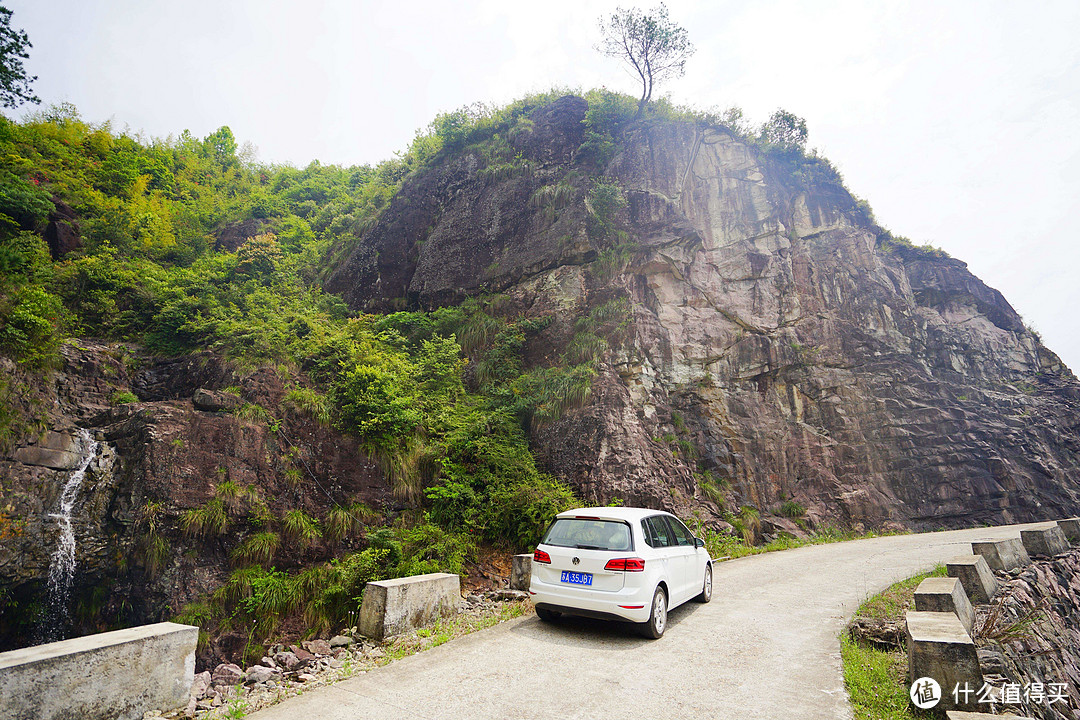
point(612, 513)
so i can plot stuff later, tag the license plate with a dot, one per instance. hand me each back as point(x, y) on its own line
point(575, 578)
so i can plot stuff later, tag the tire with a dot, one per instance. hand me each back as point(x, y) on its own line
point(546, 615)
point(706, 587)
point(654, 627)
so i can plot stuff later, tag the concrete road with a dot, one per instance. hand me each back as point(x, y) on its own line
point(766, 647)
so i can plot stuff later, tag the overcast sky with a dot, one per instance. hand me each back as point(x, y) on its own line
point(958, 121)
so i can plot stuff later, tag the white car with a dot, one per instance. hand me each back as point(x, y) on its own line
point(619, 563)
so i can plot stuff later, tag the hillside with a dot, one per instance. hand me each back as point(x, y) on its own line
point(286, 382)
point(774, 344)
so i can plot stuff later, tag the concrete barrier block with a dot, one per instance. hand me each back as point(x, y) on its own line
point(1071, 528)
point(940, 648)
point(521, 572)
point(963, 715)
point(945, 594)
point(975, 575)
point(1002, 555)
point(1045, 542)
point(392, 607)
point(114, 675)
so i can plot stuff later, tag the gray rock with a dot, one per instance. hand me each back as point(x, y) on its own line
point(56, 450)
point(306, 677)
point(521, 571)
point(258, 674)
point(341, 641)
point(214, 401)
point(200, 684)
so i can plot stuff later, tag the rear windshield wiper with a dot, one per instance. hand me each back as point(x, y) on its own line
point(591, 547)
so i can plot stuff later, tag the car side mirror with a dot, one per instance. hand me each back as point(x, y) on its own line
point(698, 542)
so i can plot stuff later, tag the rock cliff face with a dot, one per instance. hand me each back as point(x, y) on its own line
point(778, 340)
point(1031, 638)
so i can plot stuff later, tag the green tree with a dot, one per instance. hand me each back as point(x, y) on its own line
point(221, 146)
point(14, 82)
point(784, 131)
point(650, 43)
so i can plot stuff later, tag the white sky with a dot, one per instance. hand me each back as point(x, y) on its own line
point(957, 120)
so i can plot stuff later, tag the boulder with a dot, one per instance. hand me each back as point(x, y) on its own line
point(508, 594)
point(318, 647)
point(258, 674)
point(301, 654)
point(227, 674)
point(201, 684)
point(340, 641)
point(879, 632)
point(287, 660)
point(56, 450)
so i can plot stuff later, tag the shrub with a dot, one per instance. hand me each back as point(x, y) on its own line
point(124, 397)
point(792, 509)
point(30, 325)
point(373, 403)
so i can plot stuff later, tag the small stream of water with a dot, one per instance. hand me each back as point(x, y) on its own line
point(56, 617)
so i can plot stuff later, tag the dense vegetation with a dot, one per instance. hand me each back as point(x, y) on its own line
point(185, 244)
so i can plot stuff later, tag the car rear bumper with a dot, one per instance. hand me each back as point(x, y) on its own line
point(592, 603)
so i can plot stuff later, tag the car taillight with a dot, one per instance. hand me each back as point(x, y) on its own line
point(627, 564)
point(541, 557)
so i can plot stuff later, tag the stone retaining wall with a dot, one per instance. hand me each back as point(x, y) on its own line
point(116, 675)
point(392, 607)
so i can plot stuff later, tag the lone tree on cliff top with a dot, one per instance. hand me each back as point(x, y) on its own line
point(14, 83)
point(654, 46)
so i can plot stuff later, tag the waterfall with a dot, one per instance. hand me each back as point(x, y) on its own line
point(56, 615)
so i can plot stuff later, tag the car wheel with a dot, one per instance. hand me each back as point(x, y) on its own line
point(656, 624)
point(706, 588)
point(547, 615)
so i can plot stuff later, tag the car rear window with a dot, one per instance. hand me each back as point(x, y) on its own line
point(588, 534)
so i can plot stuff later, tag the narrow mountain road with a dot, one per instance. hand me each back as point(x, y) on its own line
point(765, 647)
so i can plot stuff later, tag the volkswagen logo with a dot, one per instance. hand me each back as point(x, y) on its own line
point(576, 560)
